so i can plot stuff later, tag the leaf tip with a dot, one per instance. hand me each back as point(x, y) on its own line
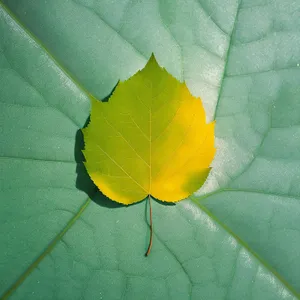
point(152, 56)
point(153, 61)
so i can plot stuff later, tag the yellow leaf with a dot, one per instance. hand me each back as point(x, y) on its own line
point(150, 138)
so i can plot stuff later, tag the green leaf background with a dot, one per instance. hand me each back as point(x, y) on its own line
point(237, 238)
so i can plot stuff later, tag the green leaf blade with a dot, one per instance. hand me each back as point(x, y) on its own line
point(196, 256)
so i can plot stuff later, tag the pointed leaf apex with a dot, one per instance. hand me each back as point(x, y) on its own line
point(152, 56)
point(152, 60)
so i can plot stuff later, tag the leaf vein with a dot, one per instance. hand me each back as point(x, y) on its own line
point(47, 251)
point(117, 32)
point(117, 164)
point(171, 122)
point(192, 156)
point(106, 120)
point(226, 57)
point(180, 145)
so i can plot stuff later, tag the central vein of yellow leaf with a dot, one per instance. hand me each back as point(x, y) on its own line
point(150, 142)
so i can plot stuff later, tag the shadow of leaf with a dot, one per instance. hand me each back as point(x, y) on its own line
point(83, 180)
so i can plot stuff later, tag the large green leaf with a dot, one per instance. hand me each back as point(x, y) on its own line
point(238, 238)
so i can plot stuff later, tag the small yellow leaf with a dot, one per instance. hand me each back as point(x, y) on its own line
point(150, 138)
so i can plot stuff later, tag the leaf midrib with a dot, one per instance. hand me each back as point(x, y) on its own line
point(54, 242)
point(252, 252)
point(226, 59)
point(43, 47)
point(267, 266)
point(49, 249)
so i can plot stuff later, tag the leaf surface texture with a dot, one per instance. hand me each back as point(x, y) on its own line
point(238, 242)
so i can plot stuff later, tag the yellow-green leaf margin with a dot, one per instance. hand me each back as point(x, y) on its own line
point(150, 138)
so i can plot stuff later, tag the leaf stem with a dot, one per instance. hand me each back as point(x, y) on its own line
point(151, 227)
